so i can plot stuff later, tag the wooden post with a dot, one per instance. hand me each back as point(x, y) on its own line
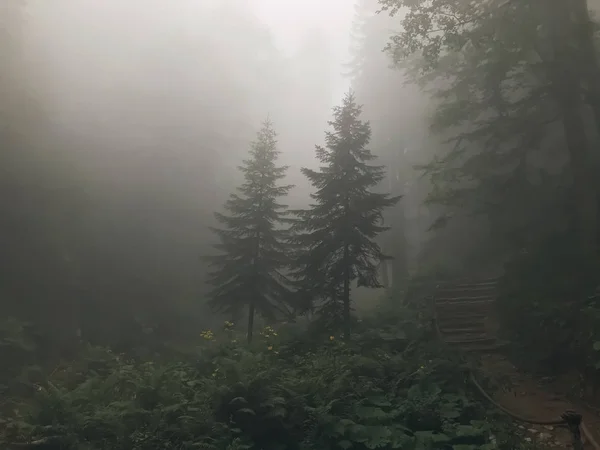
point(573, 421)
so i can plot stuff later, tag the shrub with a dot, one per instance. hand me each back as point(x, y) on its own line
point(388, 388)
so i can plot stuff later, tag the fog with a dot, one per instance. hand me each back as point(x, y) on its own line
point(136, 115)
point(126, 76)
point(220, 217)
point(125, 123)
point(130, 120)
point(291, 22)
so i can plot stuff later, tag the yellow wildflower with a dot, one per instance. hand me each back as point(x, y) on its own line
point(331, 338)
point(270, 347)
point(207, 334)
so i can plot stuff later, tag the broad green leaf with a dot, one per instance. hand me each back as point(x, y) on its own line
point(379, 401)
point(241, 400)
point(370, 412)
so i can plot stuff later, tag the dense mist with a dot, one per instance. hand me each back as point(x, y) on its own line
point(125, 123)
point(129, 122)
point(299, 224)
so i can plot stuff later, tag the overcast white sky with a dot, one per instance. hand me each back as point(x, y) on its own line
point(290, 20)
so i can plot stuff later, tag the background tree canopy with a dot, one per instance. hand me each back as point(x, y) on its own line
point(119, 142)
point(133, 144)
point(123, 127)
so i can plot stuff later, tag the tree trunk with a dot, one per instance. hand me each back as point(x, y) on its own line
point(250, 322)
point(385, 276)
point(255, 289)
point(584, 32)
point(397, 247)
point(235, 317)
point(346, 294)
point(584, 188)
point(567, 91)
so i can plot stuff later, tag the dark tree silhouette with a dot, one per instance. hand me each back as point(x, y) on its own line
point(249, 271)
point(337, 233)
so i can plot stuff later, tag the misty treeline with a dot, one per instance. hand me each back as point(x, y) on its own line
point(506, 167)
point(125, 144)
point(127, 125)
point(120, 142)
point(326, 247)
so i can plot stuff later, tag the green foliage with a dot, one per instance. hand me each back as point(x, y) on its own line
point(507, 81)
point(390, 388)
point(499, 73)
point(336, 235)
point(546, 304)
point(248, 272)
point(493, 108)
point(152, 209)
point(397, 126)
point(18, 353)
point(14, 335)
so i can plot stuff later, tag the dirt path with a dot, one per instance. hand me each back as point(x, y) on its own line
point(539, 400)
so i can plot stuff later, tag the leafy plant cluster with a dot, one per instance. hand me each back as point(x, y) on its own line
point(547, 305)
point(386, 389)
point(17, 351)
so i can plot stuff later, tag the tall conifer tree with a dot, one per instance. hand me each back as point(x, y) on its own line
point(248, 272)
point(337, 233)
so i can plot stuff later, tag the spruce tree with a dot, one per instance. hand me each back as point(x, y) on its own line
point(248, 271)
point(394, 124)
point(337, 233)
point(509, 78)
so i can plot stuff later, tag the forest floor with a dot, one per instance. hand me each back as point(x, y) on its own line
point(539, 399)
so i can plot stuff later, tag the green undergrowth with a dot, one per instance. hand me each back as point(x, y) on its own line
point(548, 308)
point(391, 387)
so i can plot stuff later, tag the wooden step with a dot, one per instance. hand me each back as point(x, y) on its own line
point(462, 313)
point(479, 340)
point(465, 307)
point(467, 337)
point(471, 328)
point(457, 318)
point(474, 329)
point(464, 303)
point(466, 294)
point(496, 346)
point(465, 300)
point(460, 321)
point(470, 285)
point(473, 288)
point(462, 310)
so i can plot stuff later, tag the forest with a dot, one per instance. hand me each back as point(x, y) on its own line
point(203, 247)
